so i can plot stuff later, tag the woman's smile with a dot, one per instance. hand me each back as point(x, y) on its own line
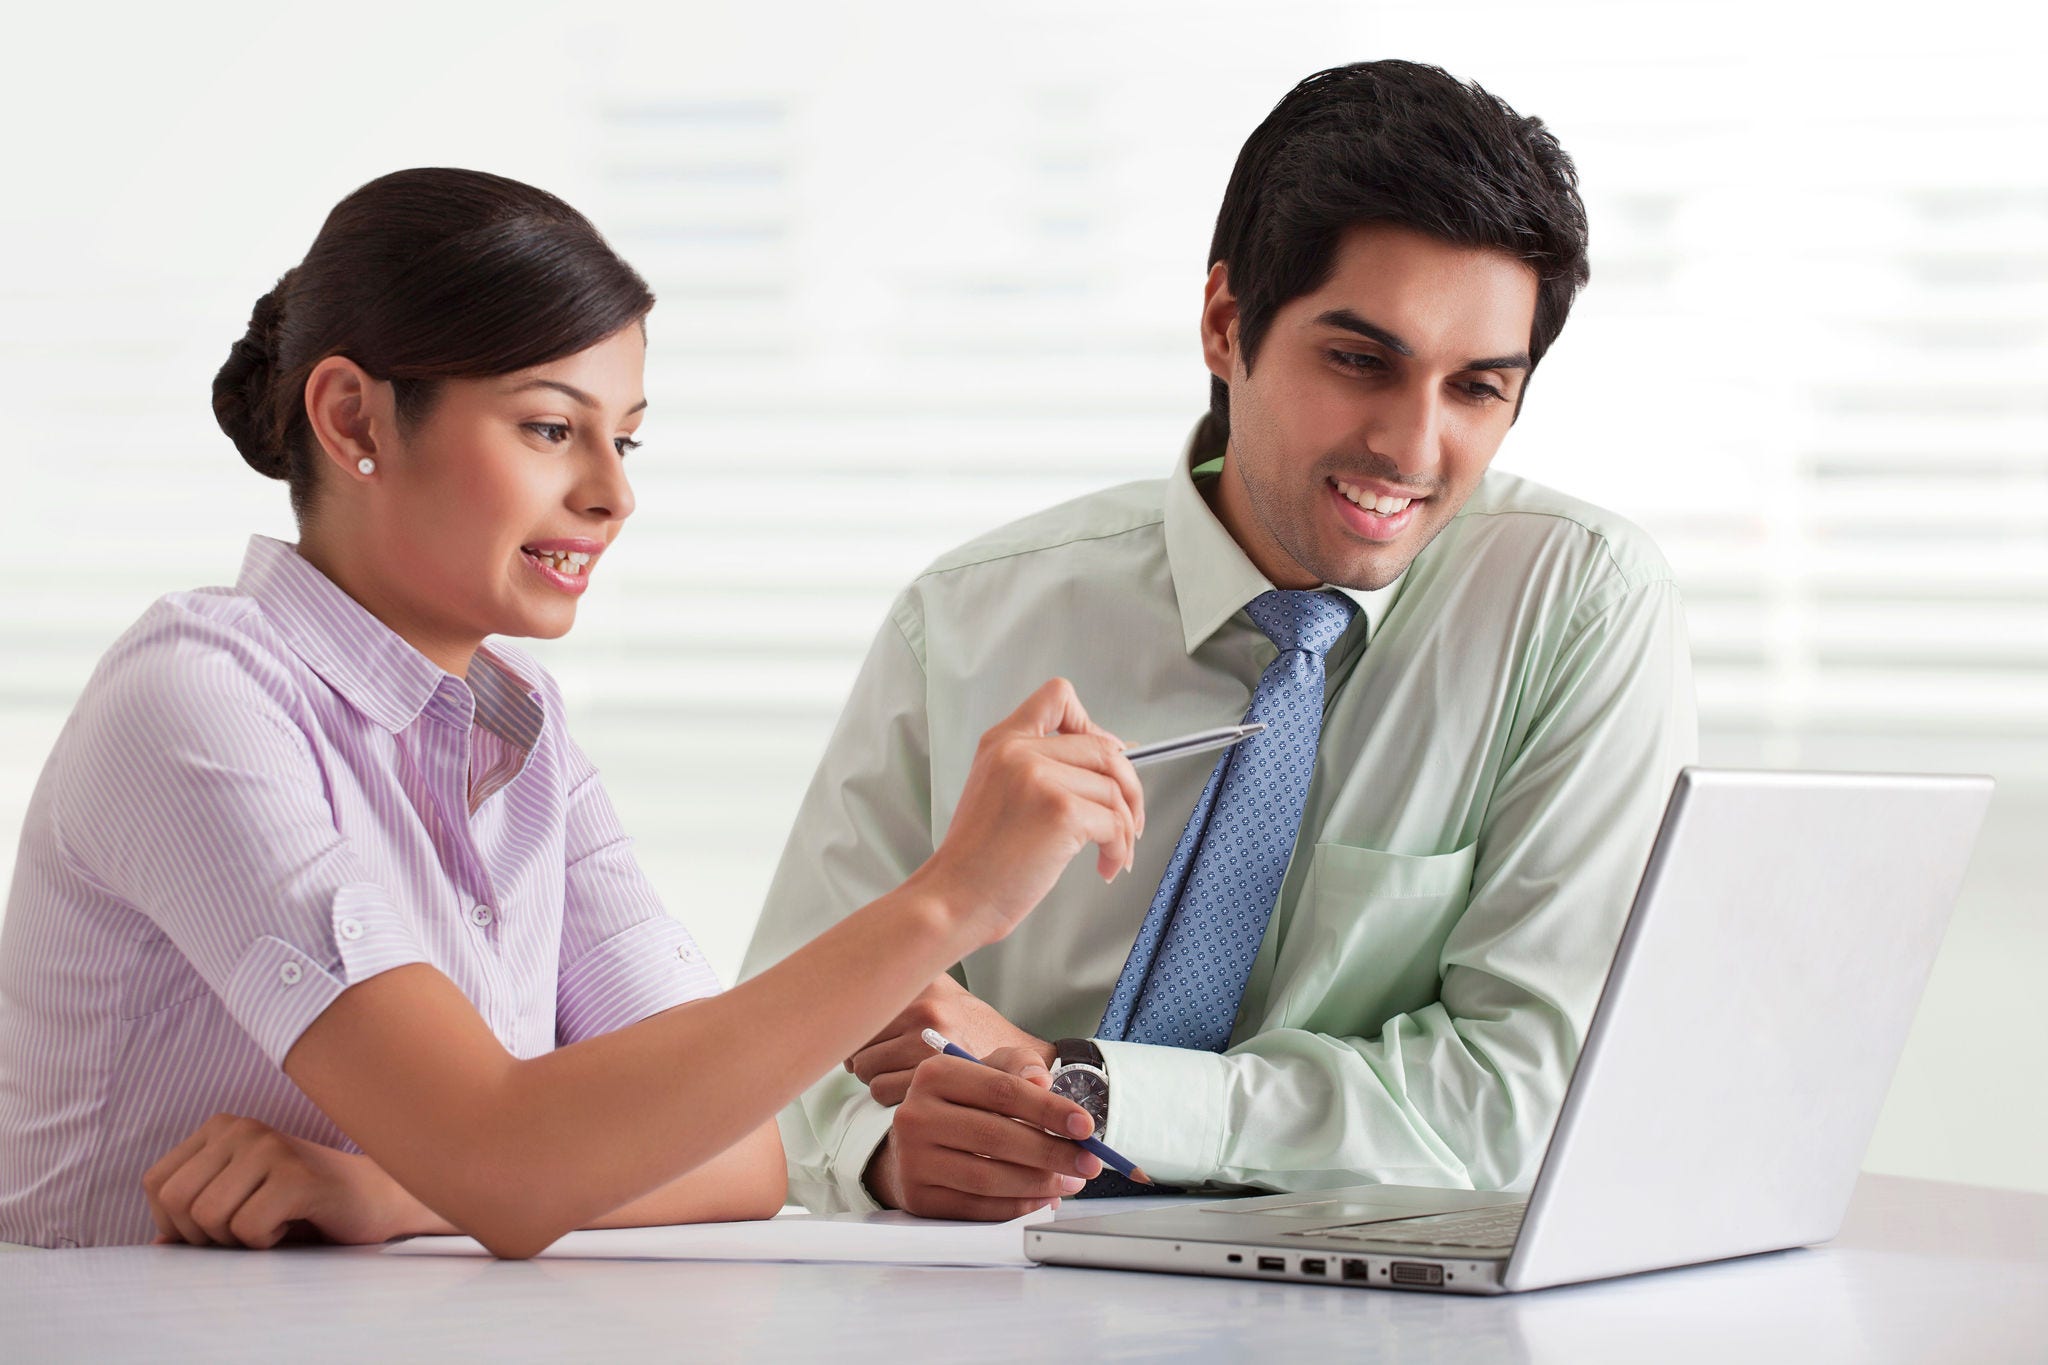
point(565, 564)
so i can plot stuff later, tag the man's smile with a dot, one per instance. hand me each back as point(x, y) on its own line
point(1370, 512)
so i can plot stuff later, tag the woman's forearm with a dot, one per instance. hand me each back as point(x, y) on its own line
point(745, 1181)
point(516, 1153)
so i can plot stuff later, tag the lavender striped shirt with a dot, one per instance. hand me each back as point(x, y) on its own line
point(263, 797)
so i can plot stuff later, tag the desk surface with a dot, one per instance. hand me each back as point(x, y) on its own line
point(1922, 1272)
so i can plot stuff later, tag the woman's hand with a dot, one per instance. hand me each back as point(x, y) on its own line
point(239, 1183)
point(1046, 782)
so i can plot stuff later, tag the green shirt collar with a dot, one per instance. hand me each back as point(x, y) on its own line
point(1213, 578)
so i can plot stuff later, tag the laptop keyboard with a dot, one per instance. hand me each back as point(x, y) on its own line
point(1480, 1229)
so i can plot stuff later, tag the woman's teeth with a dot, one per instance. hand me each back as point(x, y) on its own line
point(562, 561)
point(1372, 502)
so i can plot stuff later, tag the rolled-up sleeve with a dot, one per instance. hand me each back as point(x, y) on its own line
point(196, 797)
point(623, 957)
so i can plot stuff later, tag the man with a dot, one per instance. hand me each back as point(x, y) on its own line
point(1365, 945)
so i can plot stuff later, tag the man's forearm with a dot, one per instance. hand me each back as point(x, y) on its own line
point(1422, 1104)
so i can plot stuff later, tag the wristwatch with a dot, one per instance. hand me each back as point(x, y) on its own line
point(1080, 1074)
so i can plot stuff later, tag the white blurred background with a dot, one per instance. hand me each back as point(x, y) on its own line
point(924, 267)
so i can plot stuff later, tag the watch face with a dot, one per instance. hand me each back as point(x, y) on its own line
point(1085, 1086)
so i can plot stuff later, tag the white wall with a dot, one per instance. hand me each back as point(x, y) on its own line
point(925, 266)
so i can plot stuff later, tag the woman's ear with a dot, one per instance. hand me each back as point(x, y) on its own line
point(1219, 323)
point(353, 415)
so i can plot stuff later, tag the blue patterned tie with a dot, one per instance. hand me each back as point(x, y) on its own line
point(1185, 976)
point(1186, 973)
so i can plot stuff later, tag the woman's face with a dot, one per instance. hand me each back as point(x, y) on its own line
point(492, 515)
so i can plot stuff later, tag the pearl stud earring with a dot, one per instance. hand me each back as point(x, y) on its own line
point(366, 465)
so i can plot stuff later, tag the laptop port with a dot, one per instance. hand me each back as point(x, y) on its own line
point(1357, 1270)
point(1276, 1265)
point(1314, 1266)
point(1415, 1272)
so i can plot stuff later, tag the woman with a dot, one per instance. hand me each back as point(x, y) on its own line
point(321, 922)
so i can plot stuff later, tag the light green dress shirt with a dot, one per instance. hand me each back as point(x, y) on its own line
point(1502, 726)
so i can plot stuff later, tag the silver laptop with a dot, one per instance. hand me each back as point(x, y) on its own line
point(1757, 1004)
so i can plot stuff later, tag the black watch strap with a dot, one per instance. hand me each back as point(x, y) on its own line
point(1081, 1050)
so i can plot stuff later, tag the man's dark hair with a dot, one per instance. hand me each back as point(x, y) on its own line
point(1393, 142)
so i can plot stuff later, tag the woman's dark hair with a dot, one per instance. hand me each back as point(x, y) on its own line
point(1393, 142)
point(420, 276)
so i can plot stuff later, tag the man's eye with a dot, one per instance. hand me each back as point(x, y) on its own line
point(1357, 360)
point(1485, 393)
point(554, 433)
point(625, 445)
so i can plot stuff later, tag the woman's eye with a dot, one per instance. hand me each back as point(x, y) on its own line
point(625, 445)
point(554, 433)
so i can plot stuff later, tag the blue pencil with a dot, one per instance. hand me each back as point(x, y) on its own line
point(1106, 1153)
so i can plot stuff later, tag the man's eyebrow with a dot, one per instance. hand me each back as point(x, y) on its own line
point(579, 395)
point(1372, 331)
point(1518, 361)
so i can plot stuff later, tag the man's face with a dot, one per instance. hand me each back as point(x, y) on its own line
point(1373, 407)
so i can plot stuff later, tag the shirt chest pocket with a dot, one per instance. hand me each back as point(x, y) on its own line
point(1366, 938)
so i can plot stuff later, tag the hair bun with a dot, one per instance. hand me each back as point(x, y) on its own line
point(243, 403)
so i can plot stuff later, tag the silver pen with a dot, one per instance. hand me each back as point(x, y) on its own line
point(1201, 741)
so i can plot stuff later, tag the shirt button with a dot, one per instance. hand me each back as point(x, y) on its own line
point(686, 953)
point(480, 915)
point(351, 929)
point(290, 973)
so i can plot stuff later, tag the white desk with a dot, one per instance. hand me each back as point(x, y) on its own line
point(1922, 1272)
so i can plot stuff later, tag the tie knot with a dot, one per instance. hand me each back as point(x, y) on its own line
point(1309, 621)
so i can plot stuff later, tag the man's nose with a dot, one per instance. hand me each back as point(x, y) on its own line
point(1405, 429)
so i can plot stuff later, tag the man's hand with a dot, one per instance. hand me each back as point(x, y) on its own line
point(975, 1142)
point(239, 1183)
point(885, 1064)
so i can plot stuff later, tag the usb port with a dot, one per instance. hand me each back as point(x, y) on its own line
point(1415, 1272)
point(1356, 1270)
point(1276, 1265)
point(1314, 1266)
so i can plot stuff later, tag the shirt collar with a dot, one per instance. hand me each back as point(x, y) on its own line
point(1213, 578)
point(368, 663)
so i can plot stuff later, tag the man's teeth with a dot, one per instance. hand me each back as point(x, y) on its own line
point(1371, 502)
point(562, 561)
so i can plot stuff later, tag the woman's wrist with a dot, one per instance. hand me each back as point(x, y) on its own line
point(933, 897)
point(389, 1208)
